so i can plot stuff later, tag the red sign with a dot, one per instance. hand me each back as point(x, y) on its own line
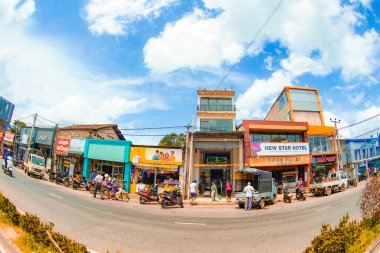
point(325, 159)
point(9, 137)
point(63, 145)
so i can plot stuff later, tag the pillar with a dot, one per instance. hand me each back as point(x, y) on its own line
point(127, 176)
point(86, 168)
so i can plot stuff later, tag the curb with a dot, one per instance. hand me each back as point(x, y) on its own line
point(373, 247)
point(9, 243)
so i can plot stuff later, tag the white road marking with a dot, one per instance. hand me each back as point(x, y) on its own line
point(189, 223)
point(52, 194)
point(92, 251)
point(322, 209)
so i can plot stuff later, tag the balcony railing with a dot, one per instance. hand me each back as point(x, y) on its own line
point(216, 108)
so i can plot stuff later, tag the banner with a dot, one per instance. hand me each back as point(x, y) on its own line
point(278, 149)
point(63, 145)
point(9, 137)
point(156, 156)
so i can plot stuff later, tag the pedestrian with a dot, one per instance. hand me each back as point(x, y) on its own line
point(248, 190)
point(193, 191)
point(98, 185)
point(228, 191)
point(214, 191)
point(93, 175)
point(366, 174)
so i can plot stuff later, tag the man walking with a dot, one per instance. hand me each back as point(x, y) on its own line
point(98, 185)
point(193, 191)
point(248, 190)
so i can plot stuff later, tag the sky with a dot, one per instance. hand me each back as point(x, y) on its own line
point(139, 63)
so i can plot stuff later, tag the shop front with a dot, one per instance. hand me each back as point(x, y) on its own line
point(43, 143)
point(156, 165)
point(108, 157)
point(8, 142)
point(22, 144)
point(322, 165)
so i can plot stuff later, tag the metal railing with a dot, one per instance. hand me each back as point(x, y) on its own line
point(216, 108)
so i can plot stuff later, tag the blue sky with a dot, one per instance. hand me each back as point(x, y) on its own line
point(139, 63)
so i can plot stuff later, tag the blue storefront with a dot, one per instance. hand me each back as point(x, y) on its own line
point(109, 157)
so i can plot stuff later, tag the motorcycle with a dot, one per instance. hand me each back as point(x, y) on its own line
point(62, 178)
point(352, 182)
point(149, 196)
point(81, 184)
point(172, 198)
point(52, 176)
point(300, 194)
point(9, 169)
point(287, 196)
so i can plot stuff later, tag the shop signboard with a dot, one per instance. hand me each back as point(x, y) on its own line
point(45, 136)
point(9, 137)
point(1, 136)
point(280, 160)
point(278, 149)
point(6, 110)
point(77, 145)
point(157, 156)
point(63, 145)
point(216, 159)
point(324, 159)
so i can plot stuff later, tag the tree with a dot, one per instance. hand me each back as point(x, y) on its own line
point(370, 200)
point(173, 140)
point(17, 126)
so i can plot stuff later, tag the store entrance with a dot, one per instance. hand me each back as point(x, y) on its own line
point(219, 175)
point(114, 170)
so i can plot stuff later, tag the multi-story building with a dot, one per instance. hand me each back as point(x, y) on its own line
point(300, 104)
point(360, 154)
point(279, 147)
point(214, 150)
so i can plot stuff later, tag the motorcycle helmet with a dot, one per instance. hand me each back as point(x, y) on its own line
point(194, 181)
point(106, 175)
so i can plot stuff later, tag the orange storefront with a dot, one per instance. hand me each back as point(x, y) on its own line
point(279, 147)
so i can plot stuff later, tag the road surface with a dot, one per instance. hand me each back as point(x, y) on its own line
point(130, 227)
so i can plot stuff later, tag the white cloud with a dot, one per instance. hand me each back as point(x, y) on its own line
point(356, 98)
point(344, 133)
point(268, 63)
point(115, 16)
point(200, 40)
point(50, 82)
point(15, 10)
point(251, 103)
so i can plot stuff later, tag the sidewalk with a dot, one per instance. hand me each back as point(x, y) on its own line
point(6, 245)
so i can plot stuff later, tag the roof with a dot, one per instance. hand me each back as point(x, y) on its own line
point(96, 127)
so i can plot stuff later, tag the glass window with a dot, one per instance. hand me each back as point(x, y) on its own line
point(267, 137)
point(216, 125)
point(276, 138)
point(304, 100)
point(258, 138)
point(317, 144)
point(292, 138)
point(282, 101)
point(216, 104)
point(324, 144)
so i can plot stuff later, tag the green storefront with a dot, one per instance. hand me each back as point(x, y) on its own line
point(109, 157)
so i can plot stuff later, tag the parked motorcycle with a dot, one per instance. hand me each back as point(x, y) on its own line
point(81, 184)
point(149, 196)
point(172, 198)
point(52, 176)
point(287, 196)
point(300, 194)
point(352, 182)
point(62, 178)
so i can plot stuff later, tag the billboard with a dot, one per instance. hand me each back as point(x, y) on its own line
point(278, 148)
point(77, 145)
point(158, 155)
point(63, 145)
point(6, 110)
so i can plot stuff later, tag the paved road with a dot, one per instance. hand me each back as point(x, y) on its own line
point(129, 227)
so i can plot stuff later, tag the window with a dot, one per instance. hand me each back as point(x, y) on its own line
point(321, 144)
point(273, 137)
point(282, 101)
point(357, 154)
point(216, 125)
point(304, 100)
point(216, 104)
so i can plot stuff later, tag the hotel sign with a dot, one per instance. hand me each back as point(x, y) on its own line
point(278, 149)
point(279, 160)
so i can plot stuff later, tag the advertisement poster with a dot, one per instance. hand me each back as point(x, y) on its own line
point(63, 145)
point(156, 155)
point(9, 137)
point(278, 149)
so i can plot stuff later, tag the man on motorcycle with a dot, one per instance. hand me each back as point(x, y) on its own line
point(300, 186)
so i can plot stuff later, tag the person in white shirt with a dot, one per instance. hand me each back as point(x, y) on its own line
point(248, 190)
point(193, 191)
point(98, 185)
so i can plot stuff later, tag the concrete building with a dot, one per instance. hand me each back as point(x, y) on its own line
point(300, 104)
point(215, 150)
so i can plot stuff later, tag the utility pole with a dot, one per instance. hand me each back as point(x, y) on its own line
point(185, 167)
point(31, 136)
point(53, 154)
point(336, 121)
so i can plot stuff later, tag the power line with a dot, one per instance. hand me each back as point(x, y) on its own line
point(51, 121)
point(251, 42)
point(367, 132)
point(357, 123)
